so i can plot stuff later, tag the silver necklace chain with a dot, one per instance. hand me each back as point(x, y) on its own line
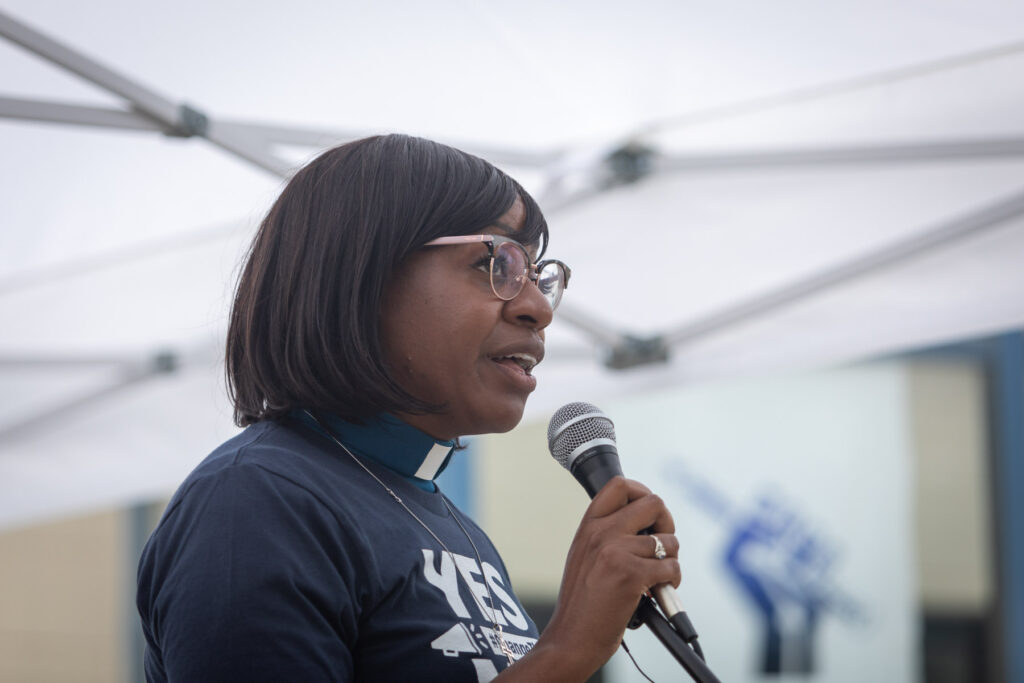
point(505, 649)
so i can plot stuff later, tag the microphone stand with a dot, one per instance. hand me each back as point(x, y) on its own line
point(647, 612)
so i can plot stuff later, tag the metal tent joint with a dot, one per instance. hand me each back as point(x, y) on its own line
point(633, 352)
point(630, 163)
point(164, 363)
point(191, 122)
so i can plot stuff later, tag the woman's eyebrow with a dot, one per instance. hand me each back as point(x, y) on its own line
point(508, 231)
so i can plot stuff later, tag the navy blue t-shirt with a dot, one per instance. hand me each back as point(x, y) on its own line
point(280, 559)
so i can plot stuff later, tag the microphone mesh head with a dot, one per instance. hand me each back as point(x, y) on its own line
point(573, 425)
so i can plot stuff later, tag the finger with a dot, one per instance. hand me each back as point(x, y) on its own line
point(647, 512)
point(656, 572)
point(618, 564)
point(644, 545)
point(615, 495)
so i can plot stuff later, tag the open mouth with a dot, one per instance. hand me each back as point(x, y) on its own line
point(523, 361)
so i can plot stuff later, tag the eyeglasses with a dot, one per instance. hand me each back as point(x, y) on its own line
point(510, 267)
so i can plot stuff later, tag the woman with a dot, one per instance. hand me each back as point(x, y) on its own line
point(391, 302)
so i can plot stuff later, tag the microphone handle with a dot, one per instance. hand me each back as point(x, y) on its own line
point(602, 464)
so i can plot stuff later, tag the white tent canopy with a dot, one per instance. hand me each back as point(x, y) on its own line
point(738, 188)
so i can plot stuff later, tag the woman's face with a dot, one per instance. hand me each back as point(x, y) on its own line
point(449, 340)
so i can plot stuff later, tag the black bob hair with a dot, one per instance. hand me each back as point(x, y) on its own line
point(303, 331)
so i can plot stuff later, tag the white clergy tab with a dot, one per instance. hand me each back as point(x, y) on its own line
point(432, 463)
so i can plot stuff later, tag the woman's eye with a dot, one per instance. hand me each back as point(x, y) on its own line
point(483, 264)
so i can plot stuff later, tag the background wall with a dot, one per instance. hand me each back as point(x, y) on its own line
point(63, 600)
point(953, 510)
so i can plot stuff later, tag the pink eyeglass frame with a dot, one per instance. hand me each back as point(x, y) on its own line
point(532, 271)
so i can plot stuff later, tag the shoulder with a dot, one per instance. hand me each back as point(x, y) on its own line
point(265, 507)
point(249, 549)
point(264, 462)
point(271, 491)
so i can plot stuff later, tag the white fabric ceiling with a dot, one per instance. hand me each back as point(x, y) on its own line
point(117, 246)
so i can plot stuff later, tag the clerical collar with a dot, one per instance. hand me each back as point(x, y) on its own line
point(385, 439)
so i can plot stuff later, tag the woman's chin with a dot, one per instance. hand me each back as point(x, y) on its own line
point(500, 419)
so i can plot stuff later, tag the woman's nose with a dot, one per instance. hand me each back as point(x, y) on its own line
point(529, 307)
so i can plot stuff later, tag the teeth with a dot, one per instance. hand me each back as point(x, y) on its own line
point(524, 360)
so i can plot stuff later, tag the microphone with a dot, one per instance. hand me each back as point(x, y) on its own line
point(581, 439)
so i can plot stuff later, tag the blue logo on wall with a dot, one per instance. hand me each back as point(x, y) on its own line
point(780, 565)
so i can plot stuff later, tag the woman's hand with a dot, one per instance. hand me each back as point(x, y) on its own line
point(608, 569)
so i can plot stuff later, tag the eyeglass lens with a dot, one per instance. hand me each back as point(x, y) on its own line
point(508, 270)
point(509, 274)
point(551, 282)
